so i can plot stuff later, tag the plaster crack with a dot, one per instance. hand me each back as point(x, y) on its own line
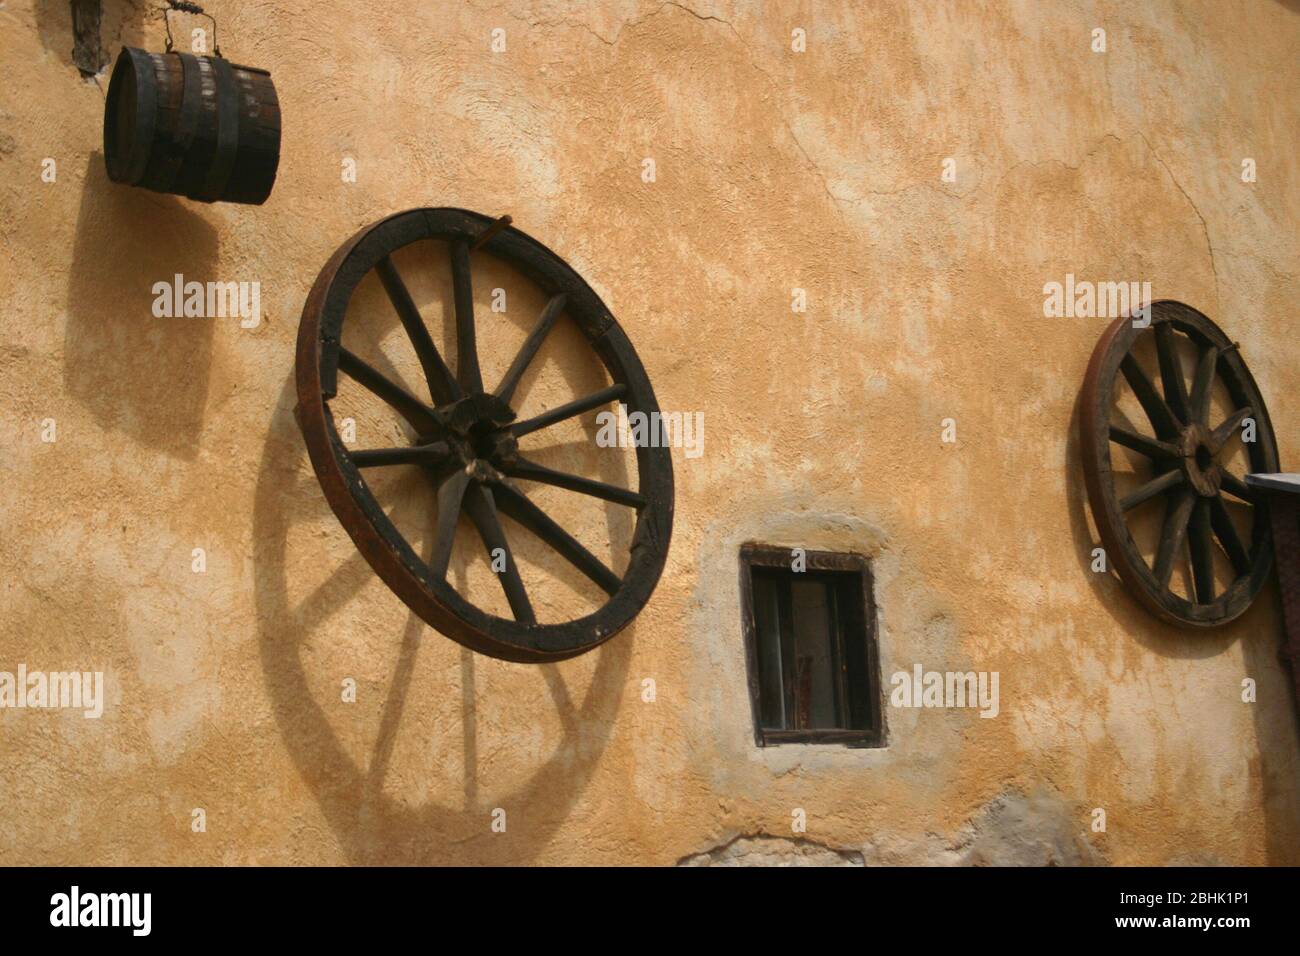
point(618, 34)
point(764, 849)
point(1205, 226)
point(837, 201)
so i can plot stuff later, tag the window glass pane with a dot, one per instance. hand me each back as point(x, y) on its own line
point(767, 626)
point(812, 644)
point(853, 641)
point(814, 656)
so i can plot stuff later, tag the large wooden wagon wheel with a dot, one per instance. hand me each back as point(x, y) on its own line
point(467, 442)
point(1187, 447)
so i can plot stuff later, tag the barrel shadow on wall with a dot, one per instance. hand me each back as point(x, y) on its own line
point(371, 825)
point(136, 373)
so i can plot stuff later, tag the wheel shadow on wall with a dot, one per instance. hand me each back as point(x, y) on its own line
point(373, 824)
point(1166, 640)
point(1275, 724)
point(134, 372)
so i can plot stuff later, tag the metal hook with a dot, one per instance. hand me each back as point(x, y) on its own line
point(490, 231)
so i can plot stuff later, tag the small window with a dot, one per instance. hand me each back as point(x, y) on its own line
point(810, 642)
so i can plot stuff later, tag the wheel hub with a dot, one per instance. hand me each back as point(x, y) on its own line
point(1203, 473)
point(477, 429)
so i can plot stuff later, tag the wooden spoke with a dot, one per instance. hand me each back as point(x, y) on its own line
point(1171, 372)
point(1237, 488)
point(506, 390)
point(1226, 532)
point(1172, 534)
point(433, 453)
point(450, 496)
point(1152, 488)
point(532, 471)
point(1202, 549)
point(442, 387)
point(515, 504)
point(1158, 413)
point(482, 510)
point(467, 368)
point(1201, 385)
point(1223, 434)
point(420, 416)
point(569, 409)
point(1142, 444)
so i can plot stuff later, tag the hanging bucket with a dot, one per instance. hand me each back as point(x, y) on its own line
point(197, 126)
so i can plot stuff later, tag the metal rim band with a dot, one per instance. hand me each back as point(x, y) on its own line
point(223, 163)
point(191, 95)
point(131, 168)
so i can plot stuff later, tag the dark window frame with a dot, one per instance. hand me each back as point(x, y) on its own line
point(758, 556)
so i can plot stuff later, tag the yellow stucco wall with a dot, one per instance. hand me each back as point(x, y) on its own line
point(775, 169)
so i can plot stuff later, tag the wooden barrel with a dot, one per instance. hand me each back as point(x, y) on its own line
point(197, 126)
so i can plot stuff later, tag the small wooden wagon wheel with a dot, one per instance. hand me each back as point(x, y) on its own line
point(1187, 448)
point(467, 440)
